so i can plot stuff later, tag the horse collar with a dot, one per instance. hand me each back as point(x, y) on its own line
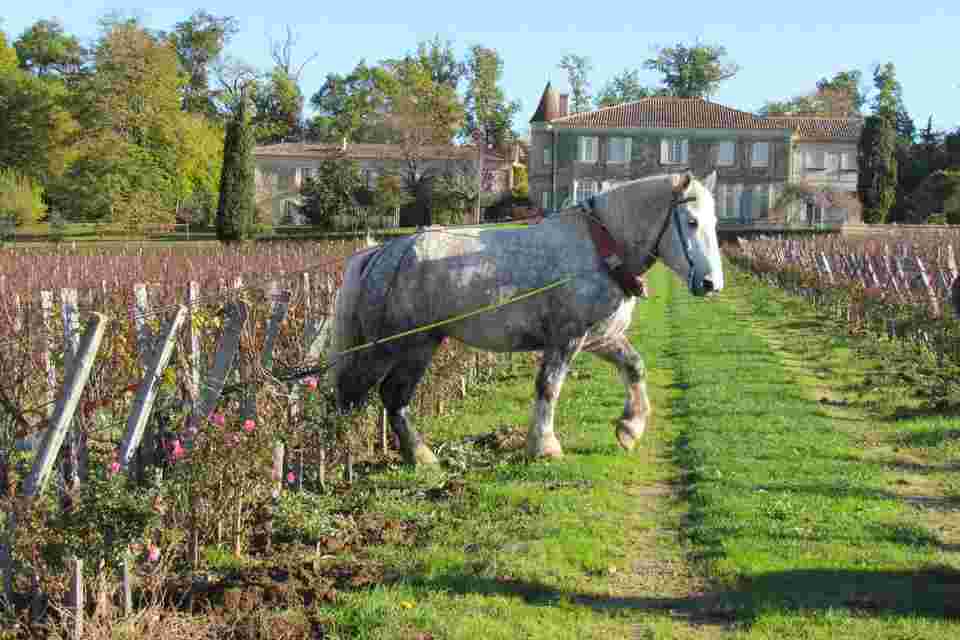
point(611, 252)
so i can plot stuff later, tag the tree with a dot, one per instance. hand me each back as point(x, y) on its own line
point(692, 72)
point(282, 53)
point(199, 41)
point(486, 108)
point(838, 97)
point(623, 88)
point(279, 108)
point(577, 68)
point(352, 107)
point(8, 56)
point(877, 182)
point(45, 49)
point(332, 191)
point(21, 199)
point(439, 58)
point(236, 210)
point(423, 114)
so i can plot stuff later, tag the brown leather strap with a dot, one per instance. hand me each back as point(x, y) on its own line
point(611, 252)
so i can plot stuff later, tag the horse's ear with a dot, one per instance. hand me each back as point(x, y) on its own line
point(710, 182)
point(682, 182)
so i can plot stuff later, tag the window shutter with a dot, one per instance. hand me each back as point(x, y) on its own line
point(685, 151)
point(581, 144)
point(664, 151)
point(627, 148)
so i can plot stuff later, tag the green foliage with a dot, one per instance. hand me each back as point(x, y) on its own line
point(352, 107)
point(877, 179)
point(332, 191)
point(199, 41)
point(486, 108)
point(692, 71)
point(8, 56)
point(521, 185)
point(279, 106)
point(45, 49)
point(236, 211)
point(577, 68)
point(390, 194)
point(623, 88)
point(837, 97)
point(21, 199)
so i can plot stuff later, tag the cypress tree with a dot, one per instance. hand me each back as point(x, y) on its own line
point(877, 183)
point(236, 210)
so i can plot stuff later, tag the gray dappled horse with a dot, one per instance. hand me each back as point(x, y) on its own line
point(605, 244)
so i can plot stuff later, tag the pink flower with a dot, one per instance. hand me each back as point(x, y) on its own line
point(153, 553)
point(291, 477)
point(177, 450)
point(445, 341)
point(217, 418)
point(114, 467)
point(311, 383)
point(249, 425)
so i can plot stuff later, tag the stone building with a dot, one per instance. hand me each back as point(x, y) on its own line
point(281, 170)
point(575, 155)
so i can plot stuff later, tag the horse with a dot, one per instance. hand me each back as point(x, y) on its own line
point(602, 247)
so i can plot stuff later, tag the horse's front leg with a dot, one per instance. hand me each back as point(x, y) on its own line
point(636, 408)
point(541, 440)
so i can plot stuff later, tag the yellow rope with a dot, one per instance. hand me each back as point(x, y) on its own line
point(463, 316)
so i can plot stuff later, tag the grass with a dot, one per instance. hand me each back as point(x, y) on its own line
point(756, 506)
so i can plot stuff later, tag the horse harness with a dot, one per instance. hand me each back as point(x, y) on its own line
point(611, 251)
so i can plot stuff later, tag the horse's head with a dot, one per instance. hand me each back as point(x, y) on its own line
point(689, 243)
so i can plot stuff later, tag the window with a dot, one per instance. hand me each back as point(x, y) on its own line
point(848, 161)
point(545, 200)
point(618, 150)
point(587, 148)
point(583, 189)
point(761, 154)
point(674, 151)
point(746, 206)
point(726, 153)
point(547, 156)
point(832, 162)
point(814, 160)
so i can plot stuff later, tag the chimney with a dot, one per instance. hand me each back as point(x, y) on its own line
point(564, 104)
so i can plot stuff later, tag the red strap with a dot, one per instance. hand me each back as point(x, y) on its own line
point(611, 253)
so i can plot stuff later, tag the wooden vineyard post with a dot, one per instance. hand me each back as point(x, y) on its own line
point(126, 586)
point(193, 346)
point(73, 442)
point(147, 390)
point(76, 598)
point(931, 294)
point(66, 406)
point(227, 348)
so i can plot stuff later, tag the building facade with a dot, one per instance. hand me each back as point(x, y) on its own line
point(282, 169)
point(573, 156)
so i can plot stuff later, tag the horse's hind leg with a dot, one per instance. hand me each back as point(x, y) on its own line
point(636, 408)
point(541, 440)
point(396, 391)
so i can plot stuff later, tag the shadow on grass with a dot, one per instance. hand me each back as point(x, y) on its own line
point(930, 592)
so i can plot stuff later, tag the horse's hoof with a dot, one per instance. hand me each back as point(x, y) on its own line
point(546, 448)
point(421, 454)
point(628, 435)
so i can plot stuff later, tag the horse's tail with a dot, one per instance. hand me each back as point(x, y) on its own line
point(346, 330)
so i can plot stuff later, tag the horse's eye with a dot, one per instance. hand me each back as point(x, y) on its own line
point(693, 223)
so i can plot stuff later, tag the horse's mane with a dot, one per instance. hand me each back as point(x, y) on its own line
point(651, 194)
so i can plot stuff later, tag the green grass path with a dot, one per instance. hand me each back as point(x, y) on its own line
point(750, 510)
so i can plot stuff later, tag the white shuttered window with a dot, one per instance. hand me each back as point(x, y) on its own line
point(587, 147)
point(674, 151)
point(618, 150)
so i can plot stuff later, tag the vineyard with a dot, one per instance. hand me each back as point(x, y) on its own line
point(901, 291)
point(154, 370)
point(175, 379)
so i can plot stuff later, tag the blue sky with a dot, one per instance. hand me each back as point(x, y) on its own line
point(782, 47)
